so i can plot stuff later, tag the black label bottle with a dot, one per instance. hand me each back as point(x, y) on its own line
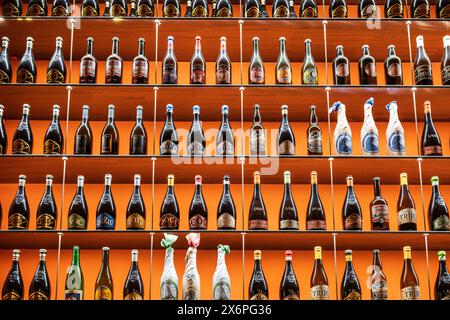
point(350, 287)
point(53, 139)
point(56, 70)
point(367, 68)
point(431, 142)
point(224, 9)
point(378, 280)
point(198, 64)
point(409, 282)
point(88, 64)
point(341, 67)
point(225, 136)
point(367, 9)
point(170, 64)
point(78, 210)
point(289, 288)
point(351, 210)
point(74, 285)
point(114, 65)
point(138, 136)
point(314, 133)
point(442, 9)
point(171, 8)
point(310, 73)
point(257, 134)
point(256, 74)
point(437, 209)
point(406, 209)
point(379, 210)
point(258, 288)
point(319, 281)
point(198, 212)
point(19, 211)
point(37, 8)
point(27, 71)
point(12, 8)
point(285, 138)
point(140, 65)
point(136, 207)
point(13, 285)
point(226, 211)
point(22, 142)
point(104, 287)
point(3, 135)
point(393, 9)
point(257, 217)
point(420, 9)
point(90, 8)
point(83, 135)
point(168, 141)
point(288, 211)
point(338, 9)
point(223, 64)
point(110, 135)
point(315, 212)
point(196, 142)
point(445, 62)
point(393, 68)
point(5, 62)
point(422, 65)
point(106, 209)
point(133, 288)
point(308, 9)
point(60, 8)
point(170, 212)
point(252, 9)
point(280, 9)
point(283, 69)
point(200, 8)
point(40, 288)
point(119, 8)
point(47, 213)
point(442, 284)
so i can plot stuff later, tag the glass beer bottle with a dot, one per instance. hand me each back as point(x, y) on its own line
point(5, 62)
point(88, 64)
point(379, 209)
point(223, 64)
point(27, 71)
point(135, 218)
point(83, 135)
point(406, 209)
point(226, 211)
point(257, 218)
point(351, 210)
point(53, 139)
point(445, 62)
point(19, 211)
point(283, 69)
point(13, 287)
point(315, 212)
point(393, 68)
point(319, 280)
point(258, 288)
point(422, 65)
point(289, 288)
point(409, 282)
point(74, 285)
point(256, 66)
point(47, 212)
point(198, 64)
point(168, 141)
point(134, 287)
point(170, 64)
point(288, 211)
point(106, 209)
point(104, 287)
point(431, 142)
point(350, 287)
point(170, 212)
point(442, 284)
point(40, 288)
point(78, 210)
point(378, 280)
point(310, 73)
point(438, 216)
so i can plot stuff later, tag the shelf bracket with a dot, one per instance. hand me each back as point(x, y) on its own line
point(58, 263)
point(334, 234)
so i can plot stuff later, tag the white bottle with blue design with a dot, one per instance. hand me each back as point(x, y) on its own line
point(369, 132)
point(342, 132)
point(395, 134)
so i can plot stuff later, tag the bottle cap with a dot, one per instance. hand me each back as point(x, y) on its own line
point(223, 38)
point(116, 39)
point(49, 177)
point(169, 108)
point(348, 252)
point(198, 179)
point(139, 107)
point(434, 180)
point(2, 107)
point(287, 173)
point(308, 40)
point(255, 39)
point(256, 173)
point(198, 38)
point(105, 248)
point(257, 254)
point(85, 107)
point(313, 173)
point(22, 177)
point(42, 251)
point(317, 248)
point(288, 253)
point(170, 38)
point(403, 175)
point(442, 255)
point(407, 248)
point(284, 107)
point(340, 47)
point(141, 40)
point(59, 39)
point(349, 178)
point(26, 106)
point(282, 39)
point(376, 179)
point(7, 39)
point(137, 176)
point(80, 178)
point(171, 176)
point(312, 107)
point(225, 108)
point(111, 106)
point(108, 176)
point(446, 40)
point(256, 106)
point(391, 46)
point(16, 251)
point(134, 252)
point(76, 248)
point(196, 109)
point(55, 106)
point(90, 39)
point(30, 39)
point(376, 251)
point(226, 179)
point(419, 38)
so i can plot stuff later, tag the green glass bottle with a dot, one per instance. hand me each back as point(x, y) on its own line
point(74, 281)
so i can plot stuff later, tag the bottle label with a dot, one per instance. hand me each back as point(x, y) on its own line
point(89, 11)
point(309, 12)
point(379, 290)
point(292, 297)
point(258, 224)
point(281, 12)
point(45, 221)
point(371, 71)
point(395, 70)
point(344, 144)
point(169, 221)
point(138, 144)
point(107, 143)
point(117, 11)
point(168, 147)
point(339, 12)
point(226, 220)
point(24, 76)
point(11, 296)
point(135, 221)
point(199, 11)
point(195, 148)
point(224, 13)
point(445, 12)
point(133, 296)
point(422, 11)
point(411, 293)
point(342, 70)
point(441, 224)
point(252, 12)
point(36, 10)
point(316, 225)
point(171, 11)
point(315, 142)
point(37, 295)
point(407, 215)
point(17, 221)
point(4, 78)
point(257, 143)
point(310, 76)
point(140, 69)
point(257, 75)
point(144, 11)
point(198, 222)
point(369, 11)
point(222, 290)
point(113, 70)
point(103, 293)
point(446, 70)
point(223, 75)
point(422, 73)
point(284, 75)
point(60, 11)
point(380, 213)
point(259, 296)
point(21, 147)
point(55, 76)
point(10, 10)
point(353, 222)
point(81, 144)
point(432, 150)
point(76, 222)
point(169, 74)
point(73, 295)
point(395, 11)
point(370, 143)
point(198, 74)
point(51, 147)
point(396, 142)
point(353, 296)
point(319, 292)
point(169, 290)
point(288, 224)
point(105, 222)
point(87, 69)
point(286, 148)
point(225, 148)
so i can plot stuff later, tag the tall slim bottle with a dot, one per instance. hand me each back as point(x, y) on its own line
point(198, 64)
point(169, 277)
point(257, 217)
point(110, 135)
point(27, 71)
point(445, 62)
point(104, 287)
point(78, 210)
point(438, 216)
point(422, 65)
point(88, 64)
point(289, 288)
point(395, 134)
point(225, 135)
point(74, 285)
point(13, 285)
point(140, 65)
point(369, 132)
point(223, 63)
point(314, 133)
point(19, 211)
point(47, 213)
point(191, 277)
point(256, 67)
point(351, 210)
point(379, 210)
point(196, 142)
point(378, 280)
point(53, 139)
point(288, 211)
point(315, 212)
point(342, 135)
point(319, 281)
point(22, 142)
point(56, 70)
point(406, 209)
point(138, 136)
point(283, 69)
point(136, 207)
point(5, 62)
point(258, 288)
point(170, 212)
point(198, 211)
point(106, 209)
point(393, 68)
point(442, 284)
point(114, 65)
point(221, 277)
point(338, 9)
point(409, 282)
point(431, 142)
point(257, 134)
point(367, 67)
point(285, 137)
point(133, 288)
point(83, 135)
point(168, 140)
point(170, 64)
point(350, 287)
point(226, 211)
point(3, 135)
point(40, 288)
point(310, 73)
point(341, 67)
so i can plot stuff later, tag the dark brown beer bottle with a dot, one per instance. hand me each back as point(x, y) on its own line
point(341, 67)
point(198, 64)
point(170, 64)
point(145, 8)
point(367, 9)
point(53, 139)
point(138, 136)
point(22, 142)
point(12, 8)
point(252, 9)
point(83, 135)
point(393, 9)
point(110, 135)
point(289, 289)
point(225, 136)
point(140, 65)
point(338, 9)
point(351, 210)
point(308, 9)
point(256, 67)
point(40, 288)
point(442, 284)
point(88, 64)
point(350, 287)
point(136, 207)
point(37, 8)
point(104, 287)
point(171, 8)
point(3, 135)
point(288, 210)
point(431, 142)
point(5, 62)
point(170, 212)
point(314, 133)
point(56, 70)
point(226, 211)
point(114, 65)
point(134, 287)
point(13, 285)
point(280, 9)
point(393, 68)
point(258, 288)
point(378, 280)
point(196, 143)
point(257, 217)
point(19, 211)
point(168, 141)
point(200, 8)
point(406, 209)
point(90, 8)
point(283, 69)
point(78, 210)
point(60, 8)
point(198, 212)
point(379, 209)
point(257, 134)
point(27, 71)
point(319, 280)
point(367, 68)
point(442, 9)
point(223, 64)
point(420, 9)
point(409, 282)
point(47, 213)
point(315, 212)
point(285, 138)
point(445, 62)
point(438, 216)
point(422, 65)
point(106, 209)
